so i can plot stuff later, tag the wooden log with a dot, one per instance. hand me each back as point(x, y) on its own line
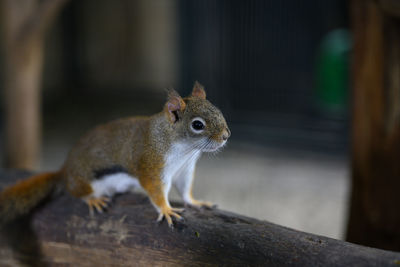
point(63, 234)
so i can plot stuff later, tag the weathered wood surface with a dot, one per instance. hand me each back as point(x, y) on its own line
point(127, 235)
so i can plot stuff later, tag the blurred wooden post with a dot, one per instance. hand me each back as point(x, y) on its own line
point(25, 24)
point(374, 213)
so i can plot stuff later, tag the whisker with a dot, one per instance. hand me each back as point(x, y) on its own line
point(191, 151)
point(192, 147)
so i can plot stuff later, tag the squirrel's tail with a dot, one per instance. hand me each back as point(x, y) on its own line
point(21, 198)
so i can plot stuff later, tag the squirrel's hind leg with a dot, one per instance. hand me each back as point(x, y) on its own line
point(105, 187)
point(80, 188)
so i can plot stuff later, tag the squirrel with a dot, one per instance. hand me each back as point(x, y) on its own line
point(151, 152)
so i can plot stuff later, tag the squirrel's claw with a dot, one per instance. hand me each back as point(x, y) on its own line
point(178, 209)
point(98, 204)
point(197, 204)
point(167, 213)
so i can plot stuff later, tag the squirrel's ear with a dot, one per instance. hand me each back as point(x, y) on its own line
point(198, 90)
point(174, 106)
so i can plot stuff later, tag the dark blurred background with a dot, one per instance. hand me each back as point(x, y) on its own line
point(277, 69)
point(266, 64)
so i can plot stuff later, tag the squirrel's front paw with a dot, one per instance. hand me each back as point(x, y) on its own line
point(167, 212)
point(197, 204)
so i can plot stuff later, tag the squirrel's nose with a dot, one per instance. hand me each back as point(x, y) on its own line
point(226, 134)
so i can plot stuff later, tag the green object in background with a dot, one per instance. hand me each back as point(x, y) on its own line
point(332, 73)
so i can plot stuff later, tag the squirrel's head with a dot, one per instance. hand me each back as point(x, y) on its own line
point(196, 120)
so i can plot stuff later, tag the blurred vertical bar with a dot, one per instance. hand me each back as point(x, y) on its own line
point(374, 213)
point(23, 62)
point(25, 24)
point(135, 48)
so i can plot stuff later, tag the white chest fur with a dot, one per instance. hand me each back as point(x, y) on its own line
point(180, 157)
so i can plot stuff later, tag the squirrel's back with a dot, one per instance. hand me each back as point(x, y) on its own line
point(119, 142)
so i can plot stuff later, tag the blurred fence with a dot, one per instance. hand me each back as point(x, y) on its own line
point(258, 60)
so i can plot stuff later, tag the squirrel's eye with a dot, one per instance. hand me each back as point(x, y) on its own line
point(197, 125)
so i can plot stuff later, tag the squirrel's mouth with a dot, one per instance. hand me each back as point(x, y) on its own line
point(213, 146)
